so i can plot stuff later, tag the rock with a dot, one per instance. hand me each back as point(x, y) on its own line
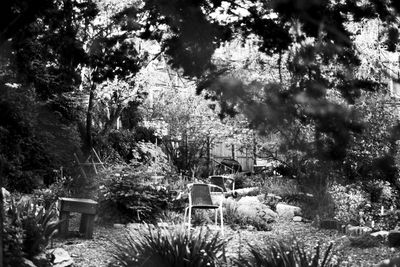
point(61, 258)
point(297, 218)
point(27, 263)
point(273, 196)
point(394, 238)
point(251, 207)
point(380, 233)
point(41, 260)
point(272, 200)
point(249, 200)
point(389, 263)
point(357, 230)
point(287, 211)
point(118, 225)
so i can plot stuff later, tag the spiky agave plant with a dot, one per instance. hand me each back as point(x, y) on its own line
point(169, 248)
point(282, 255)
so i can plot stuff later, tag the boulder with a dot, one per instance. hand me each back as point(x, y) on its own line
point(297, 218)
point(41, 260)
point(380, 233)
point(61, 258)
point(287, 211)
point(249, 200)
point(252, 207)
point(389, 263)
point(27, 263)
point(394, 238)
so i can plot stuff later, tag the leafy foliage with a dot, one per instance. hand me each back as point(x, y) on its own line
point(38, 224)
point(349, 200)
point(27, 230)
point(127, 199)
point(13, 237)
point(282, 255)
point(158, 247)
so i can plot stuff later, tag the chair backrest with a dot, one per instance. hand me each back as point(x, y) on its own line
point(219, 181)
point(200, 194)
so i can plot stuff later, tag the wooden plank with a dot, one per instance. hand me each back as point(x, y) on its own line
point(86, 206)
point(94, 166)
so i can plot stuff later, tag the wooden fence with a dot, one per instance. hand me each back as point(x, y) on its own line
point(244, 156)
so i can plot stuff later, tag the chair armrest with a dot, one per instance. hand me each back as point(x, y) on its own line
point(216, 186)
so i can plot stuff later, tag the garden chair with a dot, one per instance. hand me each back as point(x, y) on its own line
point(200, 198)
point(221, 180)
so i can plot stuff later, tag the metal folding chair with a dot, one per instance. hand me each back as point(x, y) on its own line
point(200, 198)
point(221, 181)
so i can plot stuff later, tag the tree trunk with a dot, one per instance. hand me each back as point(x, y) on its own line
point(112, 122)
point(89, 118)
point(1, 211)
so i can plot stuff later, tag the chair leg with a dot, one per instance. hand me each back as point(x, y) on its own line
point(216, 216)
point(185, 216)
point(189, 218)
point(222, 222)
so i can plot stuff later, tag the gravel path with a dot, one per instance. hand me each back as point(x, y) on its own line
point(95, 252)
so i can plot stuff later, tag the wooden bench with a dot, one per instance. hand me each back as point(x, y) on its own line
point(88, 209)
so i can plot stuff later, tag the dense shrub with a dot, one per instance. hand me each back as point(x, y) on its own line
point(349, 200)
point(27, 230)
point(38, 224)
point(13, 236)
point(126, 199)
point(287, 256)
point(34, 140)
point(235, 220)
point(169, 248)
point(61, 188)
point(366, 241)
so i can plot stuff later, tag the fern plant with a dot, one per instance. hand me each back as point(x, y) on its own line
point(169, 248)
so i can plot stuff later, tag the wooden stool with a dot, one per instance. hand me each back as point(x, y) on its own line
point(88, 209)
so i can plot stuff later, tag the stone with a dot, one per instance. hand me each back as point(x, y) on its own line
point(252, 207)
point(287, 211)
point(380, 233)
point(249, 200)
point(61, 258)
point(27, 263)
point(297, 218)
point(389, 263)
point(394, 238)
point(41, 260)
point(118, 225)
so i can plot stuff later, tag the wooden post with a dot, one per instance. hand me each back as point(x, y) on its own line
point(98, 158)
point(208, 155)
point(80, 167)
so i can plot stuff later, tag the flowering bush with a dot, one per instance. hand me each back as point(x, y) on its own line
point(349, 200)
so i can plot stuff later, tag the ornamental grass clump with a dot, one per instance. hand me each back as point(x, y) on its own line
point(283, 255)
point(169, 248)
